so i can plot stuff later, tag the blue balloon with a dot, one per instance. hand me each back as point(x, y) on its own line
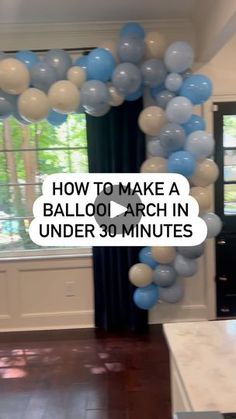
point(43, 76)
point(185, 266)
point(82, 62)
point(155, 90)
point(200, 144)
point(172, 137)
point(197, 88)
point(155, 148)
point(145, 256)
point(153, 72)
point(94, 95)
point(179, 57)
point(163, 98)
point(127, 78)
point(135, 95)
point(173, 82)
point(56, 118)
point(132, 29)
point(6, 105)
point(179, 110)
point(195, 123)
point(181, 162)
point(130, 50)
point(100, 65)
point(60, 60)
point(146, 297)
point(29, 58)
point(164, 275)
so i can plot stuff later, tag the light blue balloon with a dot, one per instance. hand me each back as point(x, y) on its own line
point(145, 256)
point(135, 95)
point(146, 297)
point(98, 111)
point(100, 65)
point(60, 60)
point(214, 224)
point(197, 88)
point(130, 49)
point(163, 98)
point(94, 95)
point(164, 275)
point(55, 118)
point(179, 57)
point(195, 123)
point(155, 90)
point(172, 294)
point(127, 78)
point(172, 137)
point(6, 105)
point(132, 29)
point(153, 72)
point(173, 82)
point(155, 149)
point(82, 62)
point(184, 266)
point(191, 252)
point(179, 110)
point(181, 162)
point(200, 144)
point(29, 58)
point(43, 76)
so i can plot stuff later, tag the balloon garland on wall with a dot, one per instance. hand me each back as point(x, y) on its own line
point(33, 89)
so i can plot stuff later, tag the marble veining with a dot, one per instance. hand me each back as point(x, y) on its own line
point(205, 355)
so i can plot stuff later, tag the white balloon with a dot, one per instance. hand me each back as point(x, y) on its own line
point(154, 165)
point(151, 119)
point(33, 105)
point(140, 275)
point(206, 173)
point(163, 254)
point(14, 76)
point(155, 44)
point(202, 196)
point(64, 96)
point(76, 75)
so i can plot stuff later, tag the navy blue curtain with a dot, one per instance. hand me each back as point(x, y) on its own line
point(115, 144)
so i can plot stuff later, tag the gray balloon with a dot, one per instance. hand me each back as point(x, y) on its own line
point(164, 275)
point(184, 266)
point(100, 111)
point(191, 252)
point(214, 224)
point(94, 95)
point(172, 294)
point(60, 60)
point(130, 49)
point(172, 137)
point(155, 148)
point(163, 98)
point(43, 75)
point(153, 72)
point(126, 78)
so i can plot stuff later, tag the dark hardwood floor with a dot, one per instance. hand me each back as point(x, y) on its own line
point(84, 374)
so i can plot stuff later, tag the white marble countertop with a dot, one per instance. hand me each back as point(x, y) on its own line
point(205, 356)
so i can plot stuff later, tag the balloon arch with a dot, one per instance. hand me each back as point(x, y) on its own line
point(33, 89)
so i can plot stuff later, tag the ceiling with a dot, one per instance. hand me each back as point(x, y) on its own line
point(65, 11)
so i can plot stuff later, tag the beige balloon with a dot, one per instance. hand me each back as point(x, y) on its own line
point(151, 119)
point(14, 76)
point(205, 174)
point(163, 254)
point(203, 198)
point(110, 46)
point(140, 275)
point(33, 105)
point(64, 96)
point(154, 165)
point(155, 44)
point(115, 97)
point(76, 75)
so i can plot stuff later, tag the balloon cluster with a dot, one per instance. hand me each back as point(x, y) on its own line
point(33, 89)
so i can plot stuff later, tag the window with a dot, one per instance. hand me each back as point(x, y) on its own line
point(27, 155)
point(229, 145)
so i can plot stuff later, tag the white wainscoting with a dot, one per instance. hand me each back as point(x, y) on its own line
point(46, 294)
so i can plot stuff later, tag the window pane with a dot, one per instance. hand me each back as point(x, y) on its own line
point(229, 131)
point(230, 199)
point(229, 165)
point(27, 155)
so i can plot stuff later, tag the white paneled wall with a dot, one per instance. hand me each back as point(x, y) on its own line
point(45, 294)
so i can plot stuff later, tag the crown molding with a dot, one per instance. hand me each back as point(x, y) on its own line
point(82, 34)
